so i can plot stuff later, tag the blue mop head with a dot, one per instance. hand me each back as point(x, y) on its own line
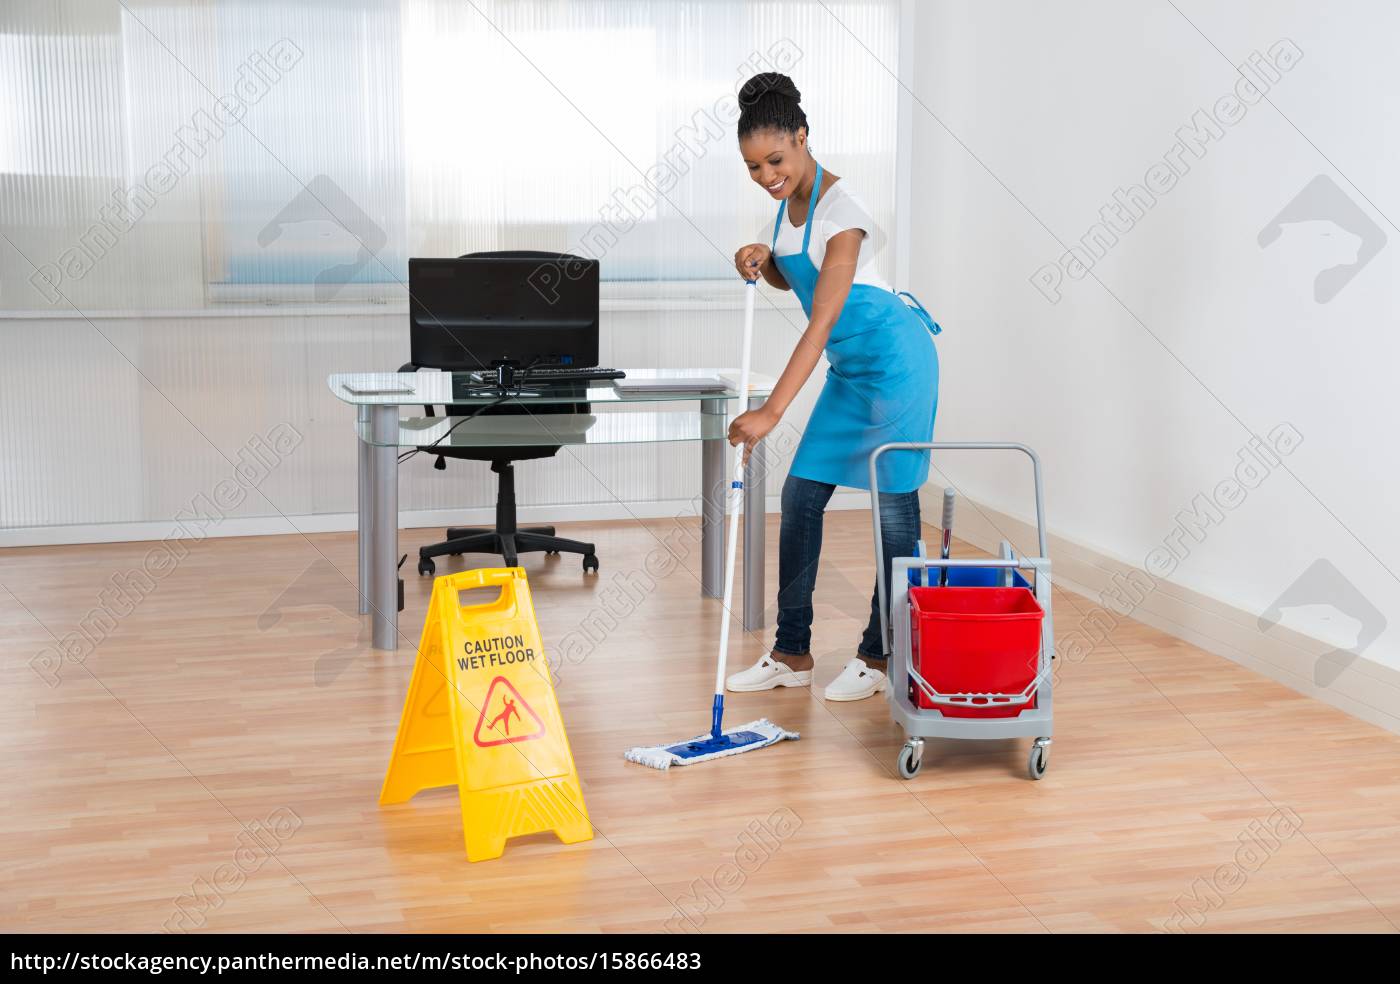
point(703, 748)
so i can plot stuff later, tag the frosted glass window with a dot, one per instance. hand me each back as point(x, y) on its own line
point(409, 128)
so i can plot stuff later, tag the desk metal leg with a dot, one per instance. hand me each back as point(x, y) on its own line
point(384, 526)
point(713, 489)
point(755, 508)
point(364, 506)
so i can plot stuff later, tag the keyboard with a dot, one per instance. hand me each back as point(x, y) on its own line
point(481, 383)
point(572, 374)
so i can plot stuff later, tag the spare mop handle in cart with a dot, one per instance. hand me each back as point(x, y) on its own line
point(736, 502)
point(883, 588)
point(946, 549)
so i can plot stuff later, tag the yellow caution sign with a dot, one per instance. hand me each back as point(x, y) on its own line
point(481, 714)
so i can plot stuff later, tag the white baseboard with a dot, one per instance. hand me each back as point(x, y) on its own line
point(39, 536)
point(1365, 689)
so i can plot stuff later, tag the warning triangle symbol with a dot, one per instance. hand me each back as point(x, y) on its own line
point(505, 717)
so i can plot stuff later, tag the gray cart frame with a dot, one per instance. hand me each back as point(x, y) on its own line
point(920, 723)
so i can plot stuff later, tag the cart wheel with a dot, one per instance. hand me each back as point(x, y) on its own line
point(911, 757)
point(1039, 760)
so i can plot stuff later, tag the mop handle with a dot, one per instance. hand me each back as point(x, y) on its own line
point(947, 550)
point(736, 501)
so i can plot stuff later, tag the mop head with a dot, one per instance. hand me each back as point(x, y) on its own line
point(703, 748)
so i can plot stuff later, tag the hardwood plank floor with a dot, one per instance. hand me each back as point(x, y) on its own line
point(242, 691)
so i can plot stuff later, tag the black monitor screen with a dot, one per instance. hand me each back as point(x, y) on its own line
point(475, 312)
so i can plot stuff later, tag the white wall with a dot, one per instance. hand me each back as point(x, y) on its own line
point(1141, 384)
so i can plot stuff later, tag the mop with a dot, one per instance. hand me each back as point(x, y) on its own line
point(756, 734)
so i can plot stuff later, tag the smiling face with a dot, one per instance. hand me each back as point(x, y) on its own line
point(778, 161)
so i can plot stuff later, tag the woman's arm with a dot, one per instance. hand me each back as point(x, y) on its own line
point(757, 255)
point(773, 275)
point(833, 286)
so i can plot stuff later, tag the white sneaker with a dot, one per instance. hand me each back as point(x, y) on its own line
point(766, 674)
point(856, 682)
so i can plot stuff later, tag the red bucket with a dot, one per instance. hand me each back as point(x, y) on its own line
point(974, 640)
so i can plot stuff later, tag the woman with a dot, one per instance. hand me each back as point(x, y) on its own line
point(882, 384)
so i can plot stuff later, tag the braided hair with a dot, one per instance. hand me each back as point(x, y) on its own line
point(770, 101)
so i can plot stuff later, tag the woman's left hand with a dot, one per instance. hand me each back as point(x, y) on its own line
point(750, 428)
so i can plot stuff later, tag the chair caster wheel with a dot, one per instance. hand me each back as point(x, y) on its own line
point(590, 563)
point(426, 566)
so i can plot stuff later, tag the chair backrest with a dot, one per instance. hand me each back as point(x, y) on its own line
point(520, 254)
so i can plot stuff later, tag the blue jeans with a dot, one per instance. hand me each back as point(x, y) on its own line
point(800, 547)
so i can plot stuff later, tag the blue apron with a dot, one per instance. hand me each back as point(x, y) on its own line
point(882, 384)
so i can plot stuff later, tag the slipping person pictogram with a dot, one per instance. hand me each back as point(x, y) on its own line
point(493, 726)
point(504, 716)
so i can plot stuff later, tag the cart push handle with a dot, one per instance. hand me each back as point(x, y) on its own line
point(884, 589)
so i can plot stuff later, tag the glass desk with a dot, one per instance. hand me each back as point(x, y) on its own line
point(618, 417)
point(554, 430)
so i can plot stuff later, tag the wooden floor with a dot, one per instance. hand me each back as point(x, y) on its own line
point(239, 692)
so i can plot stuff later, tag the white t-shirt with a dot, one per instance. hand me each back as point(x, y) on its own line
point(837, 210)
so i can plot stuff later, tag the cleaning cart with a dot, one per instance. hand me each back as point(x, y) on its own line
point(970, 641)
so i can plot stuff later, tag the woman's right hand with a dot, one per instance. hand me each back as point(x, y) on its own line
point(751, 259)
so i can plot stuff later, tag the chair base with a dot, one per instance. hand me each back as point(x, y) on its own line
point(458, 532)
point(527, 539)
point(507, 539)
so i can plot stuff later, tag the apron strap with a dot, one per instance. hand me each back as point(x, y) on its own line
point(811, 210)
point(933, 326)
point(807, 229)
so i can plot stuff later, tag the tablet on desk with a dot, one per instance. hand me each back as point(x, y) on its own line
point(378, 389)
point(669, 381)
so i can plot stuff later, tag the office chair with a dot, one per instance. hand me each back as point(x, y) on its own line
point(507, 538)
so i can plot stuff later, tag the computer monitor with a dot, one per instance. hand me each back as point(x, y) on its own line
point(518, 309)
